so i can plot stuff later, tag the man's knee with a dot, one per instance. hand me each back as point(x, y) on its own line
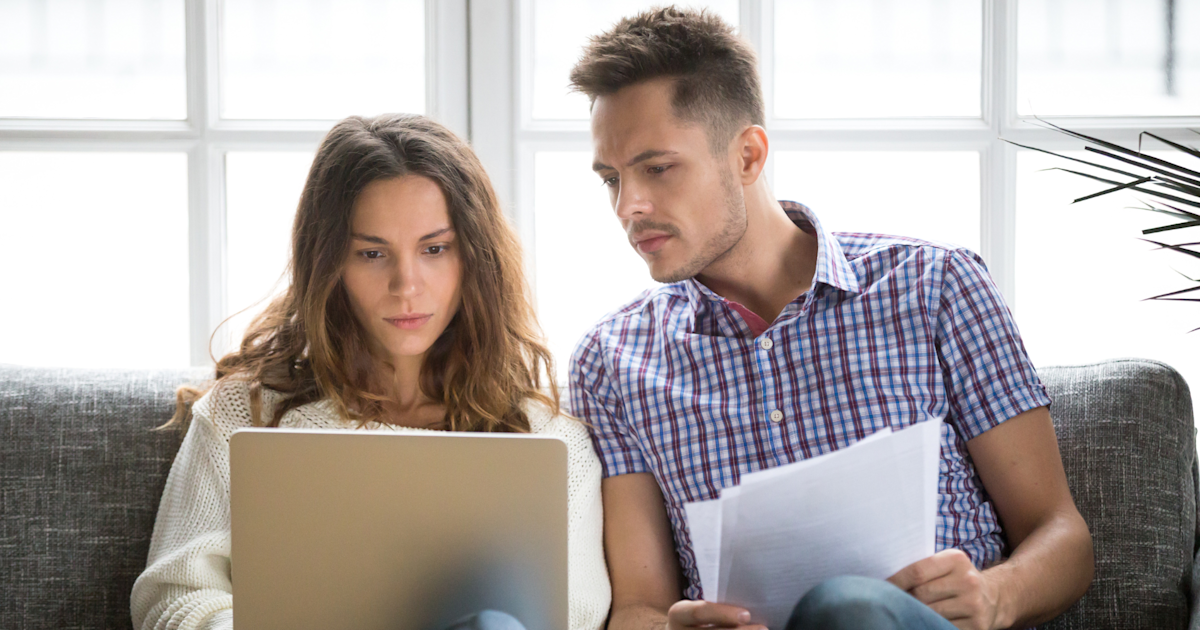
point(848, 602)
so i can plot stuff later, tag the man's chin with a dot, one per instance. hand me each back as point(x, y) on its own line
point(666, 274)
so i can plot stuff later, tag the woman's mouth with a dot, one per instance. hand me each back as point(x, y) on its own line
point(409, 322)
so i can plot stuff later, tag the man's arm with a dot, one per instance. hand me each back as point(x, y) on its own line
point(1051, 564)
point(643, 567)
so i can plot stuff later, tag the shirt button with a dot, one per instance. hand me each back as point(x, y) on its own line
point(765, 343)
point(777, 416)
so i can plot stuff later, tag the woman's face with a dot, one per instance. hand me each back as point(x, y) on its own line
point(403, 271)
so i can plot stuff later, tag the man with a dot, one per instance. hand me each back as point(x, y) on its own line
point(777, 341)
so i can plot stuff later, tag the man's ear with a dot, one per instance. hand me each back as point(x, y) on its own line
point(752, 147)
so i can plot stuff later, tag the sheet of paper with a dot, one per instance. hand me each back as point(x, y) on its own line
point(867, 509)
point(704, 527)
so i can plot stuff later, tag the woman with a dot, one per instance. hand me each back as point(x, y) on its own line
point(407, 311)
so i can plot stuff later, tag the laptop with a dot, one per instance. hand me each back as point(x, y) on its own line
point(372, 530)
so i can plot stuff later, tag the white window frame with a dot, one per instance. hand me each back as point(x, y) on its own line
point(206, 139)
point(507, 138)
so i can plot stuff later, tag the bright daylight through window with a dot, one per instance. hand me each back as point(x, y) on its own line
point(167, 142)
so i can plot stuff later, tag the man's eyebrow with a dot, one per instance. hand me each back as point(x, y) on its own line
point(649, 155)
point(641, 157)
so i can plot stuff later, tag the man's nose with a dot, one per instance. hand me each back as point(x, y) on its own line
point(632, 202)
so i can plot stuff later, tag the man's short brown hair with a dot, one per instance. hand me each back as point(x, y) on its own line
point(715, 71)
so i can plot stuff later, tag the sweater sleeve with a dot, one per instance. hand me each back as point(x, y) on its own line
point(187, 584)
point(590, 592)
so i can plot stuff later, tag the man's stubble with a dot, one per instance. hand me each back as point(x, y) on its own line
point(733, 228)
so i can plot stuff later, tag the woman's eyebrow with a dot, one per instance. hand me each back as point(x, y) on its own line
point(369, 239)
point(436, 233)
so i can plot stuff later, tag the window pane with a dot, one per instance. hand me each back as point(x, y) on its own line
point(932, 196)
point(1083, 273)
point(95, 252)
point(561, 28)
point(878, 58)
point(320, 59)
point(1110, 58)
point(585, 265)
point(262, 191)
point(125, 56)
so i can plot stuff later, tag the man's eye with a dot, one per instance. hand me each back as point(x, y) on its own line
point(610, 182)
point(658, 170)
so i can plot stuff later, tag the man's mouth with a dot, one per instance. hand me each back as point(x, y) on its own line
point(650, 244)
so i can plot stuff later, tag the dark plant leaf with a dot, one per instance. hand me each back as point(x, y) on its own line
point(1185, 149)
point(1174, 226)
point(1152, 160)
point(1156, 193)
point(1181, 211)
point(1111, 190)
point(1179, 248)
point(1173, 212)
point(1099, 166)
point(1176, 186)
point(1166, 295)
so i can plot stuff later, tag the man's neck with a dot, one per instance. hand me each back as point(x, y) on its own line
point(771, 265)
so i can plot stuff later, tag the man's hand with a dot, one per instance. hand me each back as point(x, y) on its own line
point(702, 614)
point(950, 584)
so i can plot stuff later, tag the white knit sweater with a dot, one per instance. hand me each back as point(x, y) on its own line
point(186, 584)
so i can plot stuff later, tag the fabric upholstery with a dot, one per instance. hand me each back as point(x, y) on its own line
point(81, 474)
point(1128, 446)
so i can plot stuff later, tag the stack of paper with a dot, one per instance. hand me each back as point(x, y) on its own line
point(869, 509)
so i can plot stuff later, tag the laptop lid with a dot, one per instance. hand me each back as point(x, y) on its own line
point(374, 530)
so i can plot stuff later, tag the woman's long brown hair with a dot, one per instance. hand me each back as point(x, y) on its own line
point(308, 345)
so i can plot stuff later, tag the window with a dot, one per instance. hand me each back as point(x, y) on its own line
point(914, 98)
point(200, 117)
point(152, 153)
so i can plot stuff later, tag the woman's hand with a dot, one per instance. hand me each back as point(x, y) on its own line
point(701, 614)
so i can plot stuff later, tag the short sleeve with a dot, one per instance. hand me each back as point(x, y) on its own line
point(989, 377)
point(594, 400)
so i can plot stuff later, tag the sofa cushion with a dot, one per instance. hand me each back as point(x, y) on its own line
point(81, 475)
point(1128, 446)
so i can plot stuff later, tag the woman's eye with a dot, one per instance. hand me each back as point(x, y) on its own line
point(435, 249)
point(372, 254)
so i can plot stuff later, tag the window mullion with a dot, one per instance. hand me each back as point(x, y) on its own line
point(998, 163)
point(446, 64)
point(206, 217)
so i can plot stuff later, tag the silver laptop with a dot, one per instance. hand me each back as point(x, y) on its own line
point(373, 530)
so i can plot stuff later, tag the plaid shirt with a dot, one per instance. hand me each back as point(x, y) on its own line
point(894, 331)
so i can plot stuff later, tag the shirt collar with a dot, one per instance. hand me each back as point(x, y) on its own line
point(833, 268)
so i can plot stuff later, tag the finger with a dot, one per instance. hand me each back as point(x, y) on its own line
point(698, 613)
point(954, 609)
point(927, 570)
point(945, 587)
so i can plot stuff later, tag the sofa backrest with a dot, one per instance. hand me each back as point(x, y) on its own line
point(1128, 445)
point(81, 475)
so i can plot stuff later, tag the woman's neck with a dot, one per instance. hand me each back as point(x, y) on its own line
point(407, 404)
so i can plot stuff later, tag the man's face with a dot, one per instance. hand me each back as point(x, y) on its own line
point(681, 206)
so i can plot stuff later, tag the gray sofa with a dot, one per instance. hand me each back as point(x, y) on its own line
point(81, 472)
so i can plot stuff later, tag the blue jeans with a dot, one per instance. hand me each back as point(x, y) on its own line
point(843, 603)
point(488, 620)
